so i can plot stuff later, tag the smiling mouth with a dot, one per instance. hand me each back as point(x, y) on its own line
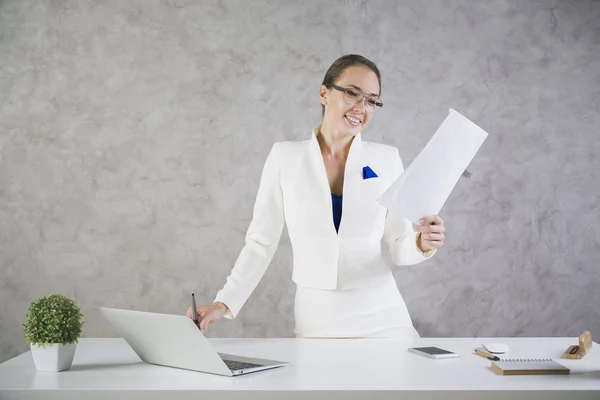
point(353, 121)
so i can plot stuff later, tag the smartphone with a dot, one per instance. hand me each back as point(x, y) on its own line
point(433, 352)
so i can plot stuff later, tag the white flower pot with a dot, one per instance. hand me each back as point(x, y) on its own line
point(53, 357)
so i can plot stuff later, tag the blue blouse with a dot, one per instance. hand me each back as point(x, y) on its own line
point(336, 201)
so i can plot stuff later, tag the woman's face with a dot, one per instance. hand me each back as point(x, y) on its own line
point(342, 116)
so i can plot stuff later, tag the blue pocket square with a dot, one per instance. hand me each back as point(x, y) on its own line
point(369, 173)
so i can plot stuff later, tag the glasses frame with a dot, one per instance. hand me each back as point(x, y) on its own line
point(378, 103)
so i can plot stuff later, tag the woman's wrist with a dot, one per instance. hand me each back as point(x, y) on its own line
point(221, 306)
point(419, 244)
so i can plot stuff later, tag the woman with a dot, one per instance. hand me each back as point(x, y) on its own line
point(325, 190)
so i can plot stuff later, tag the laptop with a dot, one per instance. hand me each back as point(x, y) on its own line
point(175, 341)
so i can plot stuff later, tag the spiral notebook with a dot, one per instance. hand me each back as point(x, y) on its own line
point(529, 366)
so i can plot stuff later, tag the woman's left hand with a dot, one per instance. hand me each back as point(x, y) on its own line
point(432, 233)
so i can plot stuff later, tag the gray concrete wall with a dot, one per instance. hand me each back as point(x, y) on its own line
point(132, 136)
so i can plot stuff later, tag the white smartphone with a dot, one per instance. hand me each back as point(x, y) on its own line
point(433, 352)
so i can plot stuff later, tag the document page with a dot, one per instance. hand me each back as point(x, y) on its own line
point(425, 185)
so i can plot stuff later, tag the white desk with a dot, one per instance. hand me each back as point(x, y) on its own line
point(319, 369)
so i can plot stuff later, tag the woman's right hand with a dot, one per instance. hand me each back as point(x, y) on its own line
point(207, 314)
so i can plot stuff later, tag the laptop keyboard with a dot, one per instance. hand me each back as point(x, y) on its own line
point(237, 365)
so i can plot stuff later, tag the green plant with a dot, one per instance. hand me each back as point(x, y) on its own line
point(53, 319)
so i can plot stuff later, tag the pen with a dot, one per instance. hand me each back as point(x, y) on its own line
point(194, 310)
point(487, 355)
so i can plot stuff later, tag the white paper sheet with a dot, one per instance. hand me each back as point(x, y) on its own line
point(425, 185)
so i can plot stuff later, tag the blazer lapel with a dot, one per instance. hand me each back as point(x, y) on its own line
point(312, 194)
point(353, 187)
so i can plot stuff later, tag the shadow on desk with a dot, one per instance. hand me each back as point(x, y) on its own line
point(101, 367)
point(594, 375)
point(587, 374)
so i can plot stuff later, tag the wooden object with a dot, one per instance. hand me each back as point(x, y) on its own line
point(577, 352)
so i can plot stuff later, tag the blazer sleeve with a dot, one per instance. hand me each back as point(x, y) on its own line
point(398, 234)
point(262, 239)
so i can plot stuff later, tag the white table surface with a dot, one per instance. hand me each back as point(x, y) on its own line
point(319, 368)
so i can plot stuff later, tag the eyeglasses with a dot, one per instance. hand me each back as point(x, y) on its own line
point(352, 96)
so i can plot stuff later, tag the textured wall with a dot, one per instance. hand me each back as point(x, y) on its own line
point(132, 136)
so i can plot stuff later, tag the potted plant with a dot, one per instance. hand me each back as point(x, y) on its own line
point(52, 327)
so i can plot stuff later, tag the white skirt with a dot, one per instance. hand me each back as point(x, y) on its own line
point(376, 310)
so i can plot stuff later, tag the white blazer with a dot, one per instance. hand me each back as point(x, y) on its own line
point(294, 190)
